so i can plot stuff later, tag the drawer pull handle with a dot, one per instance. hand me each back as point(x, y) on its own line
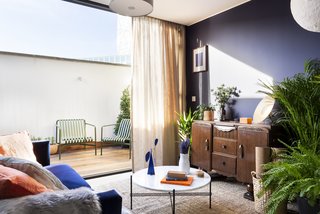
point(241, 151)
point(206, 147)
point(224, 146)
point(223, 163)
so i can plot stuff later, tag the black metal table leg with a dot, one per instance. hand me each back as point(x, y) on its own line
point(131, 192)
point(174, 201)
point(210, 195)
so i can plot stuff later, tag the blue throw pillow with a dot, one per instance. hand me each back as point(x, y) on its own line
point(68, 176)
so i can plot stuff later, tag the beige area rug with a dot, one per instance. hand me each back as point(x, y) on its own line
point(227, 197)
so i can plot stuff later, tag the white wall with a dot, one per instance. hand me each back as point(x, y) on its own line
point(235, 73)
point(36, 91)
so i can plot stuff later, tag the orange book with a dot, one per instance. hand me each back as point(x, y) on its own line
point(184, 183)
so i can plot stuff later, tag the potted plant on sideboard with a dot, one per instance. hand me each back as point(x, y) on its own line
point(297, 174)
point(204, 112)
point(222, 96)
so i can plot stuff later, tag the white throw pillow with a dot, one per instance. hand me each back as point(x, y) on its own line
point(17, 145)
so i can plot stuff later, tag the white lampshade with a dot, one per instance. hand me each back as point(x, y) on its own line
point(132, 7)
point(307, 14)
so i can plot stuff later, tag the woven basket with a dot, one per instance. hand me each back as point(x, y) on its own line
point(259, 203)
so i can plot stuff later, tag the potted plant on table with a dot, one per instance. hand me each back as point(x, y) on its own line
point(184, 163)
point(222, 96)
point(185, 125)
point(297, 174)
point(185, 130)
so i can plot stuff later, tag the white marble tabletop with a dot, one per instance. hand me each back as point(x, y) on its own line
point(152, 182)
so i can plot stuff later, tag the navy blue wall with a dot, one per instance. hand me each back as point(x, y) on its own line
point(260, 33)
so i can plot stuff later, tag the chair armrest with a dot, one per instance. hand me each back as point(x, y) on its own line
point(108, 125)
point(91, 125)
point(41, 150)
point(111, 202)
point(104, 127)
point(94, 129)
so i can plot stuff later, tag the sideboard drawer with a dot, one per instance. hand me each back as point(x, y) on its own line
point(224, 164)
point(232, 134)
point(227, 146)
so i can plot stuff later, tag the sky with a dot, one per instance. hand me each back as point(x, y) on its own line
point(56, 28)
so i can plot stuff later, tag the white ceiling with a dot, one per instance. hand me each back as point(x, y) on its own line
point(188, 12)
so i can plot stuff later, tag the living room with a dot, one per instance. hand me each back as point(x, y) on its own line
point(256, 40)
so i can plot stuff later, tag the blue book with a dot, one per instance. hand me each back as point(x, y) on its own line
point(176, 179)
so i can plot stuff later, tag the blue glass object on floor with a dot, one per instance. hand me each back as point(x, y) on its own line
point(151, 166)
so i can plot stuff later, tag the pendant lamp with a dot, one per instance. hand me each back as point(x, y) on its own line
point(131, 7)
point(307, 14)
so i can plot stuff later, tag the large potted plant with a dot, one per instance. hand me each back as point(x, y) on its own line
point(222, 96)
point(297, 174)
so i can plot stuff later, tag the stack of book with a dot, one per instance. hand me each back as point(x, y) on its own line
point(177, 177)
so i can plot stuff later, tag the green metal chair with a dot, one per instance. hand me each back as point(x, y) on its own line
point(123, 136)
point(73, 131)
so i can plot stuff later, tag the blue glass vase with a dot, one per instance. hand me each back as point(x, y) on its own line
point(151, 165)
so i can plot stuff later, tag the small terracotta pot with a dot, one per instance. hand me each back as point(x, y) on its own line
point(208, 115)
point(53, 149)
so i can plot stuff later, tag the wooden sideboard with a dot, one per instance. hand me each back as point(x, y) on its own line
point(229, 147)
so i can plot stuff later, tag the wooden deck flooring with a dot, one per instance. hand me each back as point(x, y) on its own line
point(113, 159)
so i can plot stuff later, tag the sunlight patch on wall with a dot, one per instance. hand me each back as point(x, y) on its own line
point(227, 70)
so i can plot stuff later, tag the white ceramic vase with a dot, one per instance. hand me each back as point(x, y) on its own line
point(184, 163)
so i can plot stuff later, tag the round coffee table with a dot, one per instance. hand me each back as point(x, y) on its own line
point(152, 182)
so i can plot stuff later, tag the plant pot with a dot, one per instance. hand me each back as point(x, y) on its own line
point(208, 115)
point(184, 163)
point(53, 149)
point(305, 208)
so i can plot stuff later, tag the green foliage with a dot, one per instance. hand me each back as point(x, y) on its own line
point(51, 139)
point(299, 100)
point(184, 125)
point(296, 174)
point(198, 113)
point(298, 171)
point(124, 108)
point(223, 94)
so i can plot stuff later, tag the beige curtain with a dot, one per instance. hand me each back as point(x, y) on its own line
point(158, 88)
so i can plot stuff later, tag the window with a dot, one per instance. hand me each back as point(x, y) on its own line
point(63, 29)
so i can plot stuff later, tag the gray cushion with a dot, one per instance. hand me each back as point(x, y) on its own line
point(35, 171)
